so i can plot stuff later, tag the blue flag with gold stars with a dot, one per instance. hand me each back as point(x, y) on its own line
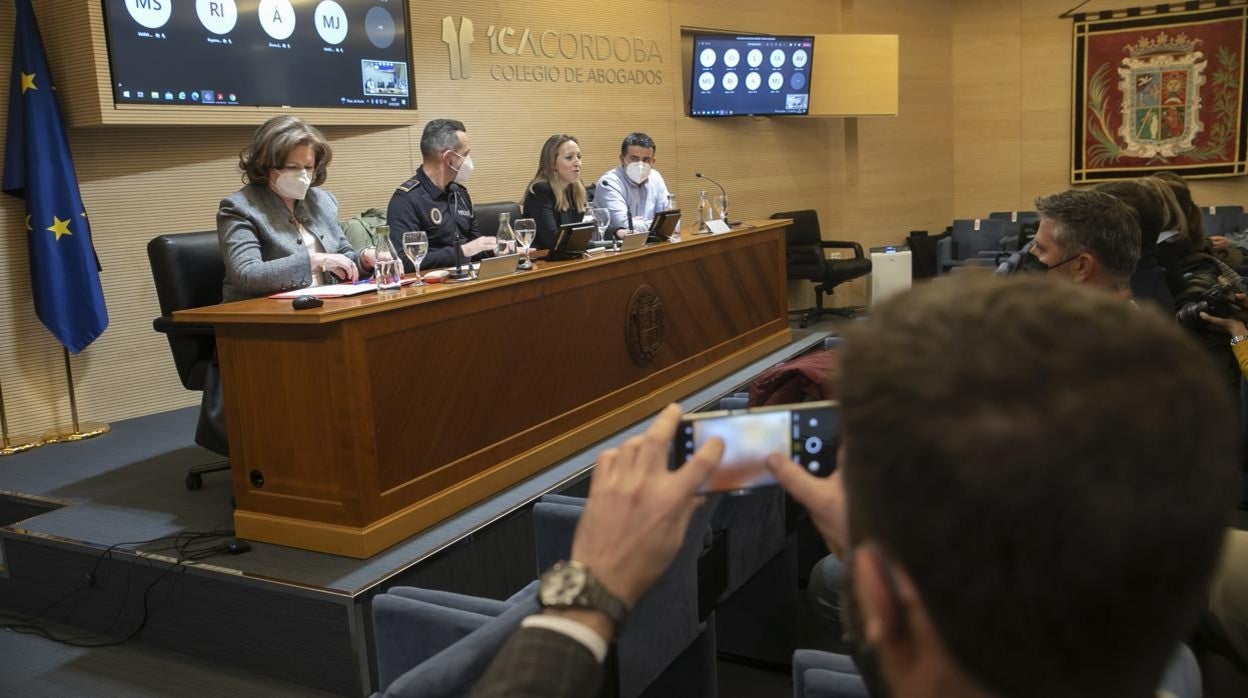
point(64, 270)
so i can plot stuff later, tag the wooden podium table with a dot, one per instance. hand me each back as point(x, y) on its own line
point(355, 425)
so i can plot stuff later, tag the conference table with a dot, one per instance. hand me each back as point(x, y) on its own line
point(357, 424)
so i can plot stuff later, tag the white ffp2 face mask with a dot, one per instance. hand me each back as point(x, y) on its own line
point(464, 171)
point(638, 171)
point(293, 185)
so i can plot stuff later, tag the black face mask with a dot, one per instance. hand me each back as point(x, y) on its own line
point(1032, 264)
point(1028, 263)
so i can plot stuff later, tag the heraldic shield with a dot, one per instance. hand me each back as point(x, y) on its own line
point(1160, 90)
point(1160, 83)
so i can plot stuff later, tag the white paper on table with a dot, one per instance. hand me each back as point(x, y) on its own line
point(335, 290)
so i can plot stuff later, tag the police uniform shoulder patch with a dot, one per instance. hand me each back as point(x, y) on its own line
point(409, 184)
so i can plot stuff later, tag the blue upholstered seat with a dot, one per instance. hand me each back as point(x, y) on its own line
point(434, 643)
point(663, 635)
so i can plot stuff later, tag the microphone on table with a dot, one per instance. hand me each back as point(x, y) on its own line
point(628, 215)
point(721, 191)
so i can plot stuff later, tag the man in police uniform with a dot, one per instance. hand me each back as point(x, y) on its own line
point(435, 201)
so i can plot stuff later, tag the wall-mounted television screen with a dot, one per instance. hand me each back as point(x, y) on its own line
point(750, 75)
point(270, 53)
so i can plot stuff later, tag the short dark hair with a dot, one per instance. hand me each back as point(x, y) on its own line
point(638, 139)
point(1052, 467)
point(1149, 207)
point(440, 135)
point(273, 142)
point(1091, 221)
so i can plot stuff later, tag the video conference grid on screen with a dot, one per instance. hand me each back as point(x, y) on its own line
point(298, 53)
point(751, 75)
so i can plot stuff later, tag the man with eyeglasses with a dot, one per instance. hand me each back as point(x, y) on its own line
point(1047, 532)
point(434, 200)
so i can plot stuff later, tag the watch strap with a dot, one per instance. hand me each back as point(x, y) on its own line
point(1237, 339)
point(593, 595)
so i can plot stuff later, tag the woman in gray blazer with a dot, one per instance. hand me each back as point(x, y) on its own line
point(280, 232)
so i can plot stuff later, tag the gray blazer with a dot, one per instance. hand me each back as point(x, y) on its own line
point(260, 241)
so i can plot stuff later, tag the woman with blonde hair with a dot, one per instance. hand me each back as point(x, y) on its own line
point(280, 231)
point(555, 195)
point(1173, 242)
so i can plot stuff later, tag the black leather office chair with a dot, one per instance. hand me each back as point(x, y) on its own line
point(805, 259)
point(487, 215)
point(188, 271)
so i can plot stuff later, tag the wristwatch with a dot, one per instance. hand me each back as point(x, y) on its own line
point(568, 584)
point(1237, 339)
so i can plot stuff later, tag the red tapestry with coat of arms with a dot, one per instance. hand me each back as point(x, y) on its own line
point(1160, 92)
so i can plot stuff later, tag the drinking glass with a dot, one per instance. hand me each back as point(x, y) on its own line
point(720, 204)
point(526, 230)
point(416, 246)
point(602, 217)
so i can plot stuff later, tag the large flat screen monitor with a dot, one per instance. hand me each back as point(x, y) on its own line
point(270, 53)
point(750, 75)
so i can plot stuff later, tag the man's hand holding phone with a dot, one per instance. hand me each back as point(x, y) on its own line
point(638, 510)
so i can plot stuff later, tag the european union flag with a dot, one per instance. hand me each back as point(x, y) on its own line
point(64, 270)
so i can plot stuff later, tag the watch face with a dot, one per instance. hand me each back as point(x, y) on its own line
point(562, 586)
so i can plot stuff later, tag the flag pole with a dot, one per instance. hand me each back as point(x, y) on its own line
point(79, 431)
point(10, 445)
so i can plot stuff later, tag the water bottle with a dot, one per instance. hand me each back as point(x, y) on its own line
point(704, 210)
point(388, 267)
point(505, 239)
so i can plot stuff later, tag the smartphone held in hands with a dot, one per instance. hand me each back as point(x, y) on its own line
point(805, 432)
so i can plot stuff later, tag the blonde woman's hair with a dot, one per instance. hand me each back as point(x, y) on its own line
point(568, 197)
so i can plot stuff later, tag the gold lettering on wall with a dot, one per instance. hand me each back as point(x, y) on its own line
point(561, 47)
point(457, 43)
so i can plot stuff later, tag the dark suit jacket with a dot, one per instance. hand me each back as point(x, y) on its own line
point(540, 663)
point(539, 204)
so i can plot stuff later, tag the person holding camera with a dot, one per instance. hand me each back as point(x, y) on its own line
point(1235, 327)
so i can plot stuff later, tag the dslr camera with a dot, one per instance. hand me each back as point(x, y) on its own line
point(1209, 286)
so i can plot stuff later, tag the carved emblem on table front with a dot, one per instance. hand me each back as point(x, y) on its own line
point(643, 331)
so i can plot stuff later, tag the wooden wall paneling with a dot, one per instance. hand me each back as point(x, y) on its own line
point(987, 92)
point(854, 75)
point(898, 173)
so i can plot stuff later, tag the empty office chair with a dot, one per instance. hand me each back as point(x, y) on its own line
point(665, 648)
point(1015, 223)
point(973, 242)
point(437, 644)
point(188, 271)
point(1018, 216)
point(487, 215)
point(805, 259)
